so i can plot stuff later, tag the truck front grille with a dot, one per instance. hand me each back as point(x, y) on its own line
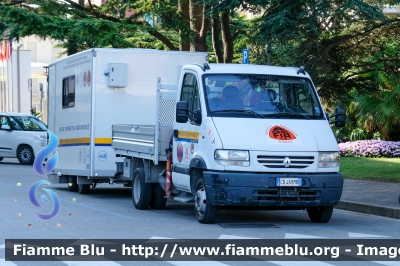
point(286, 194)
point(278, 161)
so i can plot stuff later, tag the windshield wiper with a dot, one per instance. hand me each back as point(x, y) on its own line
point(246, 112)
point(289, 114)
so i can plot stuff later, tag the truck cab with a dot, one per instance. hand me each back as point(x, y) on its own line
point(255, 136)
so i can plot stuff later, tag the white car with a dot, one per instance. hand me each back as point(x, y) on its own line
point(22, 136)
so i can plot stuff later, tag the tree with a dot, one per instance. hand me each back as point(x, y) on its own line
point(330, 38)
point(184, 25)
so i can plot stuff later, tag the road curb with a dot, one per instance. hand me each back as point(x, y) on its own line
point(369, 209)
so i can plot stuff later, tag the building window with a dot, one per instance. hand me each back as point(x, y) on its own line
point(68, 96)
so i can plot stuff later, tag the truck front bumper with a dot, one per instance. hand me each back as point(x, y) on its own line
point(260, 190)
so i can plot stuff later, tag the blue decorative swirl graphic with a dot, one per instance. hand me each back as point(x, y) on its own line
point(42, 154)
point(34, 201)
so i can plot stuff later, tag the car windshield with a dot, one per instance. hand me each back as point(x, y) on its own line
point(261, 96)
point(27, 123)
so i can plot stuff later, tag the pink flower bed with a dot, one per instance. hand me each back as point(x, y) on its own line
point(370, 148)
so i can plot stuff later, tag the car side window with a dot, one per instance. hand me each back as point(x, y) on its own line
point(4, 121)
point(190, 93)
point(15, 124)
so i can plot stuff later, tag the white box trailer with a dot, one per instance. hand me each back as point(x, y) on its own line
point(92, 90)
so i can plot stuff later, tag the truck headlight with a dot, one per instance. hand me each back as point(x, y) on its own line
point(328, 159)
point(232, 157)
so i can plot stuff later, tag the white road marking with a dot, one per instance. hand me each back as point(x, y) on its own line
point(191, 263)
point(235, 237)
point(356, 235)
point(3, 262)
point(301, 263)
point(297, 236)
point(91, 263)
point(387, 263)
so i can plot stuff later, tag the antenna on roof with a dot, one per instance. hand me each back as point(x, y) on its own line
point(206, 66)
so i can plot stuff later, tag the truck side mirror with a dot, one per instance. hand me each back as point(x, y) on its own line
point(340, 116)
point(182, 112)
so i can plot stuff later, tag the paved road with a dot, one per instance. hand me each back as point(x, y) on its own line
point(108, 213)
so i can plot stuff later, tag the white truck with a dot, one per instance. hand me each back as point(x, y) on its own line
point(94, 89)
point(223, 135)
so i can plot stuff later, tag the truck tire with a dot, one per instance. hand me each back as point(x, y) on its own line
point(204, 211)
point(157, 199)
point(141, 191)
point(25, 155)
point(72, 185)
point(320, 214)
point(84, 188)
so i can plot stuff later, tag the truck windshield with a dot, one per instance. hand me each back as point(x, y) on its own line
point(27, 123)
point(261, 96)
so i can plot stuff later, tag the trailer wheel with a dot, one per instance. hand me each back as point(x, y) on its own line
point(320, 214)
point(141, 191)
point(72, 185)
point(83, 188)
point(157, 199)
point(204, 211)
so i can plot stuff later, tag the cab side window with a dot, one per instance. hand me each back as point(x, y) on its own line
point(190, 94)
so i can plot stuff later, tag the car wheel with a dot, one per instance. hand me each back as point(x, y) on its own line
point(25, 155)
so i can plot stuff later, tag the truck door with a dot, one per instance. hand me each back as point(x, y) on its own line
point(186, 135)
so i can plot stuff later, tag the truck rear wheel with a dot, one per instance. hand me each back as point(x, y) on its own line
point(157, 199)
point(204, 211)
point(84, 188)
point(320, 214)
point(72, 185)
point(141, 191)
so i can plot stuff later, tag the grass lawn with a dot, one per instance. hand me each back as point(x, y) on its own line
point(378, 169)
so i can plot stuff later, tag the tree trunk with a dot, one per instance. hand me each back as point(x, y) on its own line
point(226, 37)
point(200, 24)
point(184, 38)
point(215, 38)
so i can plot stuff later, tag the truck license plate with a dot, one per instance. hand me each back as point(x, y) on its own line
point(288, 182)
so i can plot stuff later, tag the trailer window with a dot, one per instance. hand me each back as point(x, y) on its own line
point(68, 97)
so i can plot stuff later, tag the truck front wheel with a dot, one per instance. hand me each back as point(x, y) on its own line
point(141, 191)
point(320, 214)
point(204, 211)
